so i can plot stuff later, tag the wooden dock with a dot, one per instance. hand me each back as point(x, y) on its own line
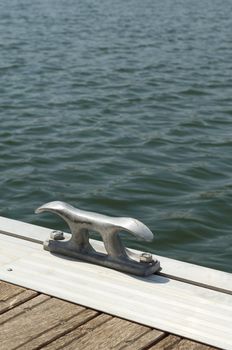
point(31, 320)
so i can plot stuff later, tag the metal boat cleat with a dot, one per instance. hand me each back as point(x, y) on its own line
point(78, 246)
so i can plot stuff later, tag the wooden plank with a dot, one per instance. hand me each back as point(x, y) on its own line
point(11, 296)
point(22, 309)
point(40, 321)
point(170, 342)
point(191, 345)
point(146, 340)
point(65, 326)
point(113, 334)
point(17, 300)
point(66, 340)
point(8, 291)
point(173, 342)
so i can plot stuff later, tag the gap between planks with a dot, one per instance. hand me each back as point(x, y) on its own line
point(12, 296)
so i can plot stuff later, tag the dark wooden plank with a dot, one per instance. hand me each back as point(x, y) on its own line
point(8, 291)
point(22, 309)
point(146, 340)
point(33, 319)
point(170, 343)
point(113, 334)
point(72, 339)
point(65, 342)
point(11, 296)
point(17, 300)
point(64, 327)
point(192, 345)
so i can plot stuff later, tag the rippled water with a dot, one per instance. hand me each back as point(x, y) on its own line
point(125, 108)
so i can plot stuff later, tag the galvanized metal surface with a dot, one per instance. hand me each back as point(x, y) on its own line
point(180, 308)
point(171, 268)
point(81, 222)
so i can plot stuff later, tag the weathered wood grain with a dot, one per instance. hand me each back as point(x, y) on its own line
point(31, 321)
point(172, 342)
point(11, 296)
point(8, 290)
point(169, 343)
point(65, 341)
point(192, 345)
point(64, 326)
point(22, 309)
point(113, 334)
point(146, 340)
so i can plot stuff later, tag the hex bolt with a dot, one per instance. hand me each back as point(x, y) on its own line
point(146, 258)
point(57, 235)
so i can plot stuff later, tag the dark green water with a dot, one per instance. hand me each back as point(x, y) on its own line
point(125, 108)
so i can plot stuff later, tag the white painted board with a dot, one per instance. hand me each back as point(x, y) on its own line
point(187, 310)
point(171, 268)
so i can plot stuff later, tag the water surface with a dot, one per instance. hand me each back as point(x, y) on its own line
point(124, 108)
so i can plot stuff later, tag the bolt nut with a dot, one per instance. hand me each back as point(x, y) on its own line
point(57, 235)
point(146, 258)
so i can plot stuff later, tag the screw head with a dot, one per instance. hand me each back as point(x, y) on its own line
point(146, 258)
point(9, 269)
point(57, 235)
